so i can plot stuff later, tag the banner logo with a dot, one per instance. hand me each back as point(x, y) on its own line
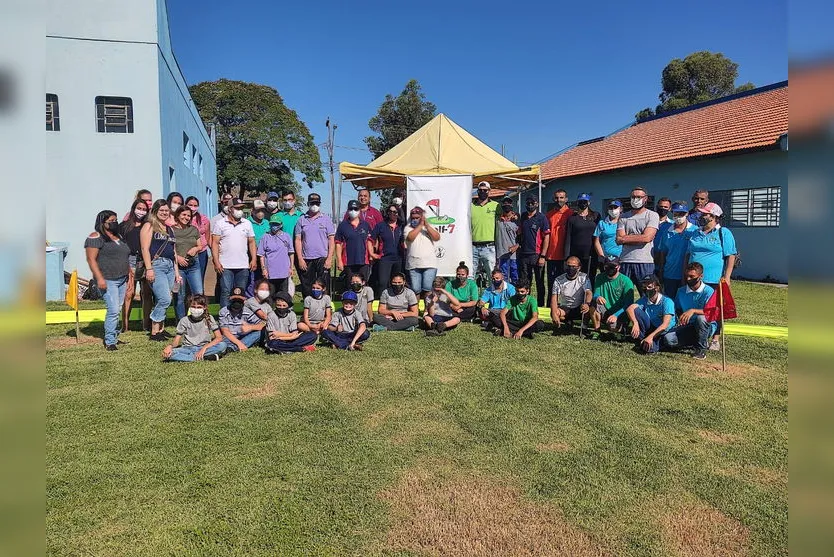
point(437, 218)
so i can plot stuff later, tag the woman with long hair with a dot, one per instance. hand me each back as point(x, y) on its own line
point(188, 244)
point(175, 201)
point(129, 230)
point(203, 224)
point(161, 269)
point(107, 256)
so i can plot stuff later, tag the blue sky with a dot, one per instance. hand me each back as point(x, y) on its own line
point(535, 77)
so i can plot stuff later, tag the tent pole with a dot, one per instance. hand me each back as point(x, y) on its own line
point(540, 190)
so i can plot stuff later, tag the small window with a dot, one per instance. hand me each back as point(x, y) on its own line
point(759, 207)
point(200, 173)
point(114, 115)
point(195, 163)
point(186, 150)
point(53, 117)
point(172, 179)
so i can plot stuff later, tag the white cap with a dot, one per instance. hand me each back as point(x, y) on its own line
point(258, 204)
point(484, 184)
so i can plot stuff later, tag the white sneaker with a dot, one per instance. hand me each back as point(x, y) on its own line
point(715, 345)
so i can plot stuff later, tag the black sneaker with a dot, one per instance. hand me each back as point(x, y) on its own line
point(433, 333)
point(158, 337)
point(111, 347)
point(440, 327)
point(165, 334)
point(212, 357)
point(122, 342)
point(700, 355)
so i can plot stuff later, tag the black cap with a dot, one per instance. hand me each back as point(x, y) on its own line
point(237, 294)
point(284, 296)
point(313, 198)
point(611, 260)
point(353, 205)
point(235, 202)
point(532, 198)
point(507, 199)
point(650, 279)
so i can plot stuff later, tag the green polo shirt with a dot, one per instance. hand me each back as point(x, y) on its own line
point(483, 221)
point(259, 229)
point(290, 219)
point(522, 311)
point(466, 293)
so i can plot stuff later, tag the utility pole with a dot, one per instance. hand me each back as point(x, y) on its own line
point(331, 135)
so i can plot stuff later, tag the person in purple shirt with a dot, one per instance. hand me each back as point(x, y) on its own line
point(385, 246)
point(352, 241)
point(275, 254)
point(314, 245)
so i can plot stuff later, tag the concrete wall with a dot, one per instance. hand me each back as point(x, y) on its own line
point(132, 21)
point(764, 250)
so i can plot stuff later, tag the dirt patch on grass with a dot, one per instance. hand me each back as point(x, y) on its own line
point(699, 530)
point(712, 370)
point(552, 447)
point(344, 387)
point(767, 477)
point(64, 342)
point(267, 390)
point(715, 437)
point(472, 515)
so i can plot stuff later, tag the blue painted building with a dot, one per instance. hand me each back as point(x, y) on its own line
point(119, 117)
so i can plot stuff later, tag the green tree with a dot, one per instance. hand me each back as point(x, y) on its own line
point(397, 118)
point(260, 142)
point(701, 76)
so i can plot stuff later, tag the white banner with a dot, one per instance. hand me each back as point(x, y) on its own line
point(447, 201)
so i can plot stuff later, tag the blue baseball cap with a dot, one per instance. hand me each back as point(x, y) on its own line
point(615, 203)
point(349, 296)
point(272, 194)
point(584, 197)
point(680, 208)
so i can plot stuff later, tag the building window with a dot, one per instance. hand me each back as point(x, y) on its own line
point(172, 179)
point(114, 115)
point(53, 117)
point(186, 151)
point(195, 163)
point(200, 173)
point(755, 207)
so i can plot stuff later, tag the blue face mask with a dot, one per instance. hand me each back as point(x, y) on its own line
point(316, 292)
point(414, 223)
point(275, 228)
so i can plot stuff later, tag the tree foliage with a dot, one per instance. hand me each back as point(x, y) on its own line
point(260, 142)
point(397, 118)
point(702, 76)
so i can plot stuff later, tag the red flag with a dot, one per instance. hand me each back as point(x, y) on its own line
point(711, 309)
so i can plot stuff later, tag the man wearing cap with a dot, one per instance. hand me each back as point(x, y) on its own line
point(605, 234)
point(579, 234)
point(273, 204)
point(314, 245)
point(348, 329)
point(241, 328)
point(352, 242)
point(558, 219)
point(367, 214)
point(635, 232)
point(663, 208)
point(534, 232)
point(233, 250)
point(674, 241)
point(613, 293)
point(699, 199)
point(506, 240)
point(652, 316)
point(483, 213)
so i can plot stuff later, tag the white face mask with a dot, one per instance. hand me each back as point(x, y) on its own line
point(272, 204)
point(353, 214)
point(637, 202)
point(175, 206)
point(314, 209)
point(140, 214)
point(397, 200)
point(613, 213)
point(196, 312)
point(680, 220)
point(237, 213)
point(263, 294)
point(288, 205)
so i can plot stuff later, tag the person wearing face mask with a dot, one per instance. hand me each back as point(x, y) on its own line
point(419, 237)
point(534, 234)
point(605, 234)
point(558, 218)
point(439, 315)
point(283, 335)
point(260, 304)
point(143, 196)
point(348, 330)
point(107, 255)
point(483, 215)
point(159, 262)
point(399, 202)
point(579, 235)
point(273, 204)
point(506, 240)
point(352, 237)
point(221, 215)
point(699, 199)
point(636, 230)
point(663, 208)
point(260, 226)
point(188, 245)
point(674, 241)
point(397, 310)
point(572, 293)
point(367, 214)
point(275, 252)
point(652, 316)
point(494, 299)
point(613, 293)
point(520, 317)
point(199, 334)
point(202, 223)
point(129, 230)
point(240, 327)
point(464, 292)
point(318, 309)
point(175, 201)
point(233, 250)
point(314, 245)
point(385, 246)
point(364, 297)
point(693, 328)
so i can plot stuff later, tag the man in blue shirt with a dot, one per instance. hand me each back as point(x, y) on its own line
point(534, 234)
point(651, 316)
point(674, 242)
point(496, 297)
point(693, 328)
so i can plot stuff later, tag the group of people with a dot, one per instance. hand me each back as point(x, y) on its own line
point(675, 255)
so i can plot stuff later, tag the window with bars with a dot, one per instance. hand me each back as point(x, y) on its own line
point(754, 207)
point(53, 117)
point(114, 115)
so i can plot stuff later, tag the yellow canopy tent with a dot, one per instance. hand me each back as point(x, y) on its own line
point(440, 147)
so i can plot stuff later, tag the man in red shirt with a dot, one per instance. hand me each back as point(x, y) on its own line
point(366, 213)
point(555, 255)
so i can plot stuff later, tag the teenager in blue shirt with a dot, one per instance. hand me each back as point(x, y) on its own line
point(494, 299)
point(693, 328)
point(674, 242)
point(652, 316)
point(605, 235)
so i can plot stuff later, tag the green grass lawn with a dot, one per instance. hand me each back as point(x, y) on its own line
point(466, 444)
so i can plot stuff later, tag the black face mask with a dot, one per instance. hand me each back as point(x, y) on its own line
point(482, 194)
point(571, 272)
point(692, 283)
point(531, 207)
point(236, 306)
point(462, 280)
point(650, 292)
point(662, 212)
point(522, 297)
point(610, 271)
point(111, 226)
point(582, 205)
point(507, 208)
point(282, 312)
point(497, 283)
point(398, 288)
point(703, 221)
point(356, 286)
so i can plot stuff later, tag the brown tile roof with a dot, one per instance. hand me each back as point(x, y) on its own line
point(754, 119)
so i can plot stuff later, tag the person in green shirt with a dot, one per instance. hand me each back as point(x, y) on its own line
point(260, 225)
point(613, 293)
point(483, 215)
point(465, 291)
point(520, 317)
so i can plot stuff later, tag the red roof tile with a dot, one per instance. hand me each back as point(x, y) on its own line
point(755, 120)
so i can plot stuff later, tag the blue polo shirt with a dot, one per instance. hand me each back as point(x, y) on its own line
point(663, 306)
point(355, 241)
point(533, 230)
point(674, 245)
point(661, 228)
point(705, 248)
point(686, 299)
point(496, 299)
point(390, 241)
point(606, 231)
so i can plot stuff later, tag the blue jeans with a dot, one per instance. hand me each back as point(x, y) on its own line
point(297, 345)
point(187, 353)
point(192, 278)
point(696, 332)
point(645, 324)
point(509, 267)
point(421, 279)
point(228, 280)
point(482, 256)
point(249, 340)
point(163, 282)
point(114, 297)
point(343, 340)
point(202, 260)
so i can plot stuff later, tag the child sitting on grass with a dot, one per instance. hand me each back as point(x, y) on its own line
point(439, 314)
point(317, 310)
point(348, 329)
point(199, 334)
point(283, 334)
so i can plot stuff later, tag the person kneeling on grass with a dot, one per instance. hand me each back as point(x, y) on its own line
point(199, 334)
point(465, 291)
point(652, 316)
point(348, 329)
point(613, 293)
point(397, 310)
point(440, 313)
point(318, 310)
point(520, 318)
point(497, 296)
point(572, 293)
point(240, 326)
point(693, 328)
point(282, 329)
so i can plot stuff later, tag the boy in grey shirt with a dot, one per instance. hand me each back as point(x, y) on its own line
point(347, 330)
point(506, 240)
